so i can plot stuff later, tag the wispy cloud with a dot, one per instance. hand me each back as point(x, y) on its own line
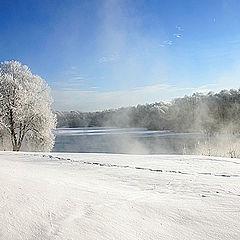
point(69, 82)
point(85, 100)
point(110, 58)
point(166, 43)
point(76, 77)
point(179, 28)
point(73, 89)
point(172, 41)
point(177, 35)
point(150, 89)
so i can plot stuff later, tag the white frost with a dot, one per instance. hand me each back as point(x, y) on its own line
point(104, 196)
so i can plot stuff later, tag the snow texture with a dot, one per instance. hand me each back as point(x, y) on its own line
point(106, 196)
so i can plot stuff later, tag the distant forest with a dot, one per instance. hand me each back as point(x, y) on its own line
point(208, 113)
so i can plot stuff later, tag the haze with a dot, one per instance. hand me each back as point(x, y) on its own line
point(105, 54)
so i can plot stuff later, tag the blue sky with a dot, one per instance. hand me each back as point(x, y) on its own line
point(101, 54)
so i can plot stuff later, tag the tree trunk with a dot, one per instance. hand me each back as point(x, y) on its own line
point(16, 147)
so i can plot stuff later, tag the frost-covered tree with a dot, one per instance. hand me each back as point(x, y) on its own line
point(26, 119)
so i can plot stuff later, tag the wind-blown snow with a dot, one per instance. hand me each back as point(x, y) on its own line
point(106, 196)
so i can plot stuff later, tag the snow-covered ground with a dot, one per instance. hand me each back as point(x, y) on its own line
point(104, 196)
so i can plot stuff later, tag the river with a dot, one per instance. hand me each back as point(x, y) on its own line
point(123, 140)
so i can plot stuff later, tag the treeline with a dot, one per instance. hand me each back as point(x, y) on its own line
point(151, 116)
point(209, 113)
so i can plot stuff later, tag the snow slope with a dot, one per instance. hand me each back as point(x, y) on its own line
point(104, 196)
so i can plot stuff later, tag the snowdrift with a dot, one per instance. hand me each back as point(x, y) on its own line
point(105, 196)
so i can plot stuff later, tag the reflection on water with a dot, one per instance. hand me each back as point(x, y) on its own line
point(124, 140)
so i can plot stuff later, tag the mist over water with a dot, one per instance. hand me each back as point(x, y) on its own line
point(200, 124)
point(125, 140)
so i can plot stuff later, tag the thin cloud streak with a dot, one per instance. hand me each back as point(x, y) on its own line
point(110, 58)
point(84, 100)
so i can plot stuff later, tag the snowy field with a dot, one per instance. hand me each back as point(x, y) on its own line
point(105, 196)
